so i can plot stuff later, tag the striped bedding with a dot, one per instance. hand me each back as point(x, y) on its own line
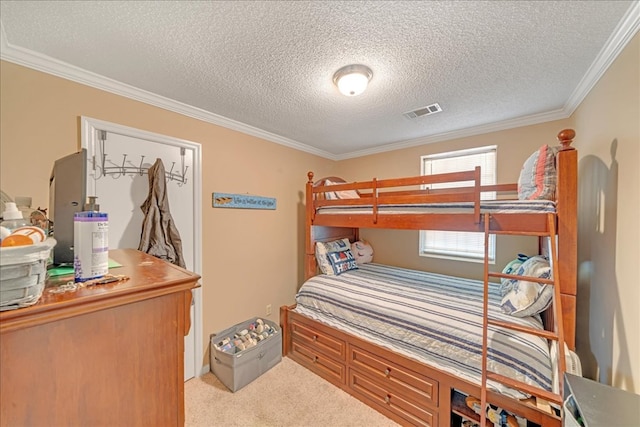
point(429, 317)
point(486, 206)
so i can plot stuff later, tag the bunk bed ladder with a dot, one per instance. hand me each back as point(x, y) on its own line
point(555, 335)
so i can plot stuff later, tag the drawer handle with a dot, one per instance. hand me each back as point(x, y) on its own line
point(387, 398)
point(387, 372)
point(315, 359)
point(315, 338)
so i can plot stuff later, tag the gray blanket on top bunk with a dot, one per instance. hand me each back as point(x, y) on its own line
point(486, 206)
point(429, 317)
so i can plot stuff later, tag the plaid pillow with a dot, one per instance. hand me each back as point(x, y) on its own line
point(537, 179)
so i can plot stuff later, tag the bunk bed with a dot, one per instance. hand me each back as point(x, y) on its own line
point(409, 389)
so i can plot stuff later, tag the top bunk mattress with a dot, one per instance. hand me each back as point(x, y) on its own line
point(432, 318)
point(486, 206)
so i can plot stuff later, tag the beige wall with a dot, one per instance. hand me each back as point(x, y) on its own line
point(608, 126)
point(251, 258)
point(401, 247)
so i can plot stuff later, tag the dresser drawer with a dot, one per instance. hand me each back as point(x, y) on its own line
point(394, 377)
point(326, 367)
point(318, 340)
point(397, 403)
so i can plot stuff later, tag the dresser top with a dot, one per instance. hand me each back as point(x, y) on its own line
point(148, 277)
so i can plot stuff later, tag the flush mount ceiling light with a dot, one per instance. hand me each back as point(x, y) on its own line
point(352, 80)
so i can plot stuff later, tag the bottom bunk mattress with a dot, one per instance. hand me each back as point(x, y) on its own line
point(429, 317)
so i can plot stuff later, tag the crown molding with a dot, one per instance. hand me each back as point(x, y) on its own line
point(46, 64)
point(533, 119)
point(624, 32)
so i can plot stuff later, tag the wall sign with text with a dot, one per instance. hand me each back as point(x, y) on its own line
point(242, 201)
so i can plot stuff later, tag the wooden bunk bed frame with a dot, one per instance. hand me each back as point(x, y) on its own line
point(416, 393)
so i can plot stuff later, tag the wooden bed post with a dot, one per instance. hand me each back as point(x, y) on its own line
point(567, 208)
point(309, 245)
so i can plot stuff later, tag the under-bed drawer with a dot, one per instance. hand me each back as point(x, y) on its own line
point(394, 377)
point(369, 390)
point(326, 367)
point(318, 340)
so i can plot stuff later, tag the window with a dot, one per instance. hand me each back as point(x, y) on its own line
point(459, 245)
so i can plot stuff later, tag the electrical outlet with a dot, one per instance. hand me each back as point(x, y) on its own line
point(268, 309)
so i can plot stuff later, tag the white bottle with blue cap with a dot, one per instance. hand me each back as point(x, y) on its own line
point(90, 242)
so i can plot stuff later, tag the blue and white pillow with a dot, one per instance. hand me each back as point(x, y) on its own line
point(324, 248)
point(342, 261)
point(511, 268)
point(526, 298)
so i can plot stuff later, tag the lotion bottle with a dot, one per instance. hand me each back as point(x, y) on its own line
point(90, 242)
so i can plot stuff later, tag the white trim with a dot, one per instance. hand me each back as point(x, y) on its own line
point(462, 133)
point(205, 369)
point(625, 31)
point(49, 65)
point(89, 126)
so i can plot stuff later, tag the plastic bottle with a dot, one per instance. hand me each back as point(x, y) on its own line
point(12, 217)
point(90, 242)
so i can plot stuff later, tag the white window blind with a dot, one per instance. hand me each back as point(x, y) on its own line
point(468, 246)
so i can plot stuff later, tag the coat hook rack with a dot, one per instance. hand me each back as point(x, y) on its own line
point(124, 169)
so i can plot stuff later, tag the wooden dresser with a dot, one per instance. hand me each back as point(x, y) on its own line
point(102, 355)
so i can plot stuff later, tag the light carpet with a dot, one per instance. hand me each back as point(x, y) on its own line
point(286, 395)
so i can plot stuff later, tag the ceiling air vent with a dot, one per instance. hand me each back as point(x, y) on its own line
point(424, 111)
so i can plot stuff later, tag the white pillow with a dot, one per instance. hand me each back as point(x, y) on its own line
point(362, 251)
point(344, 194)
point(529, 298)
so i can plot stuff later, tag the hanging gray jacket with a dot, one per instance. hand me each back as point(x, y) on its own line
point(159, 237)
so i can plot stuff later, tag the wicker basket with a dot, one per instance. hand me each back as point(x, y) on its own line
point(23, 271)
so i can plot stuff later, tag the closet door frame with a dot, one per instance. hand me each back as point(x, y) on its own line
point(90, 128)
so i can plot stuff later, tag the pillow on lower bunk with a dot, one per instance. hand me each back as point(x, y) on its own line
point(324, 248)
point(342, 261)
point(511, 268)
point(362, 251)
point(537, 179)
point(526, 298)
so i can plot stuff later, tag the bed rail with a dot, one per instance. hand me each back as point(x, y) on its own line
point(402, 191)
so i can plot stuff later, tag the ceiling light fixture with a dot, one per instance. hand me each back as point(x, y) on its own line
point(352, 80)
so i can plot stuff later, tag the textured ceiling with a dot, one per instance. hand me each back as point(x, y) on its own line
point(267, 67)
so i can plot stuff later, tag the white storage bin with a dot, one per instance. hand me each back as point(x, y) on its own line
point(236, 370)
